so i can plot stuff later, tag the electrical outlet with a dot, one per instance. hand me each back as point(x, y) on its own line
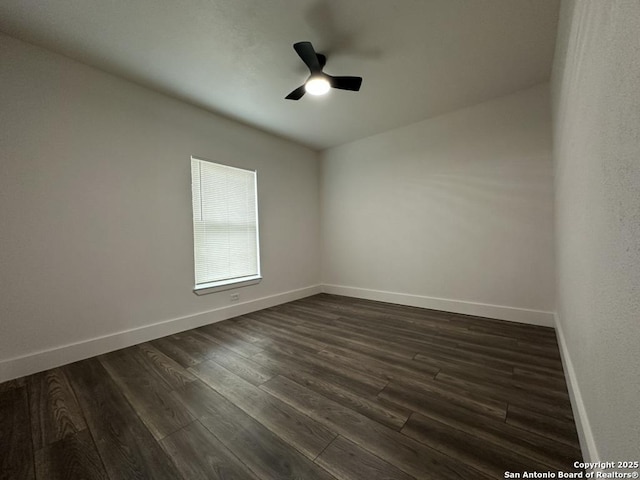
point(235, 297)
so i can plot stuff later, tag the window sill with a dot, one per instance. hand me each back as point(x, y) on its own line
point(222, 285)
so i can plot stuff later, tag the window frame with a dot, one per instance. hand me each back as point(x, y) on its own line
point(229, 283)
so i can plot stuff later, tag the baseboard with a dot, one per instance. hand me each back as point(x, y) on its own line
point(499, 312)
point(585, 434)
point(62, 355)
point(44, 360)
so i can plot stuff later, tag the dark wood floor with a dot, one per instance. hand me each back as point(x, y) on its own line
point(326, 387)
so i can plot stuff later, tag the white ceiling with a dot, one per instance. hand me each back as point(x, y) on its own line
point(418, 58)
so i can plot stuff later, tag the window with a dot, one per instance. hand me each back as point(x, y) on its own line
point(225, 226)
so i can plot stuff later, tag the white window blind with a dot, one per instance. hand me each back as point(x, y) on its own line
point(225, 224)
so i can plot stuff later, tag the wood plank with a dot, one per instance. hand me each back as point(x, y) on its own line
point(187, 348)
point(199, 455)
point(300, 309)
point(543, 349)
point(372, 407)
point(16, 451)
point(409, 335)
point(229, 341)
point(301, 432)
point(233, 327)
point(257, 447)
point(126, 447)
point(516, 357)
point(412, 395)
point(245, 368)
point(347, 461)
point(146, 393)
point(371, 383)
point(202, 401)
point(284, 364)
point(562, 412)
point(369, 377)
point(395, 448)
point(467, 448)
point(387, 369)
point(559, 429)
point(503, 387)
point(164, 367)
point(343, 306)
point(55, 413)
point(73, 457)
point(185, 357)
point(536, 379)
point(465, 336)
point(379, 350)
point(535, 401)
point(544, 398)
point(441, 356)
point(12, 384)
point(555, 375)
point(327, 334)
point(342, 338)
point(502, 327)
point(367, 404)
point(483, 372)
point(278, 334)
point(367, 311)
point(494, 431)
point(521, 332)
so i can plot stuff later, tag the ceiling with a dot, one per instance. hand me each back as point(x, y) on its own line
point(419, 58)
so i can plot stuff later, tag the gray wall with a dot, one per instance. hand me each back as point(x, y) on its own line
point(454, 212)
point(95, 205)
point(596, 116)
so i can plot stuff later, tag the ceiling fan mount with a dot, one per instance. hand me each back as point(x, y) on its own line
point(319, 82)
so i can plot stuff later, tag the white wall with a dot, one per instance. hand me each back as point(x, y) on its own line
point(596, 112)
point(454, 212)
point(95, 210)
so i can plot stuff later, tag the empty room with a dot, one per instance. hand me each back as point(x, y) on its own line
point(319, 239)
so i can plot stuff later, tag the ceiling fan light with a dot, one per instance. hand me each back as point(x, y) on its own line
point(317, 86)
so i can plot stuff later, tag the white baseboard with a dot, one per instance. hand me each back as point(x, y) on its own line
point(499, 312)
point(62, 355)
point(585, 434)
point(44, 360)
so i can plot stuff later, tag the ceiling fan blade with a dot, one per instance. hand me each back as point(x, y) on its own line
point(308, 55)
point(296, 94)
point(346, 83)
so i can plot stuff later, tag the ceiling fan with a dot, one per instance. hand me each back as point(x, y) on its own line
point(319, 82)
